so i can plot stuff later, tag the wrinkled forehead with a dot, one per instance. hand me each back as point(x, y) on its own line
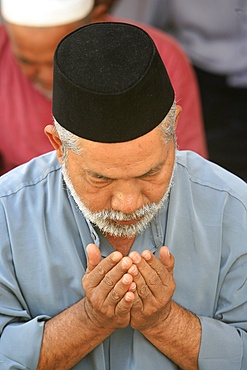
point(136, 156)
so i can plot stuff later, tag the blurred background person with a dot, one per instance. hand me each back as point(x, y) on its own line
point(214, 35)
point(28, 37)
point(144, 11)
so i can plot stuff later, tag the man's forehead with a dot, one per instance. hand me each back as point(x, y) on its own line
point(136, 157)
point(152, 138)
point(141, 174)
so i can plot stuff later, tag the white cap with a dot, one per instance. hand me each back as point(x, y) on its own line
point(45, 13)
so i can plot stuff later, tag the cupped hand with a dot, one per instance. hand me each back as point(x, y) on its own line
point(109, 289)
point(155, 286)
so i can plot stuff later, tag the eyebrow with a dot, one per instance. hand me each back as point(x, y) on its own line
point(152, 170)
point(148, 173)
point(24, 60)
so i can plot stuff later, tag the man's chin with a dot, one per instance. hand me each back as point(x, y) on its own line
point(123, 229)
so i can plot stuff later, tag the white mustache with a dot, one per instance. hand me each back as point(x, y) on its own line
point(103, 219)
point(120, 216)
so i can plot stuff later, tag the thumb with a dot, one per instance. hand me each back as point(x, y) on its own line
point(167, 259)
point(93, 257)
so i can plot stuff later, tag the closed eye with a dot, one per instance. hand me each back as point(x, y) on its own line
point(153, 172)
point(99, 179)
point(25, 61)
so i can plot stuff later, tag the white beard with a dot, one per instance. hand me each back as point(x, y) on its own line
point(105, 220)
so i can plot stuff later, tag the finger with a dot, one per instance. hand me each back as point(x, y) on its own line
point(125, 304)
point(154, 276)
point(133, 270)
point(138, 304)
point(101, 269)
point(114, 275)
point(147, 265)
point(94, 257)
point(99, 286)
point(132, 287)
point(105, 276)
point(119, 290)
point(167, 259)
point(165, 283)
point(145, 296)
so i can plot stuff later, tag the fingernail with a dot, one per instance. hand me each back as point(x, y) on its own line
point(116, 256)
point(133, 270)
point(126, 279)
point(128, 296)
point(126, 262)
point(136, 258)
point(133, 287)
point(147, 255)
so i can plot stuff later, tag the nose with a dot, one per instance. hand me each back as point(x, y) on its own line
point(127, 197)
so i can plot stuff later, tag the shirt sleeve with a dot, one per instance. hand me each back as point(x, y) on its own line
point(20, 344)
point(210, 271)
point(224, 338)
point(20, 333)
point(223, 347)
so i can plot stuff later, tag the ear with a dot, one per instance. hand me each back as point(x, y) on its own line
point(99, 12)
point(178, 112)
point(55, 141)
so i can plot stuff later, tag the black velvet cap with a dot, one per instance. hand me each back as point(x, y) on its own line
point(110, 84)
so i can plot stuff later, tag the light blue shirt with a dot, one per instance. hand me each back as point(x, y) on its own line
point(43, 237)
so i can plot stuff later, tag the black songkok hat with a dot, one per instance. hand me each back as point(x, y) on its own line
point(110, 84)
